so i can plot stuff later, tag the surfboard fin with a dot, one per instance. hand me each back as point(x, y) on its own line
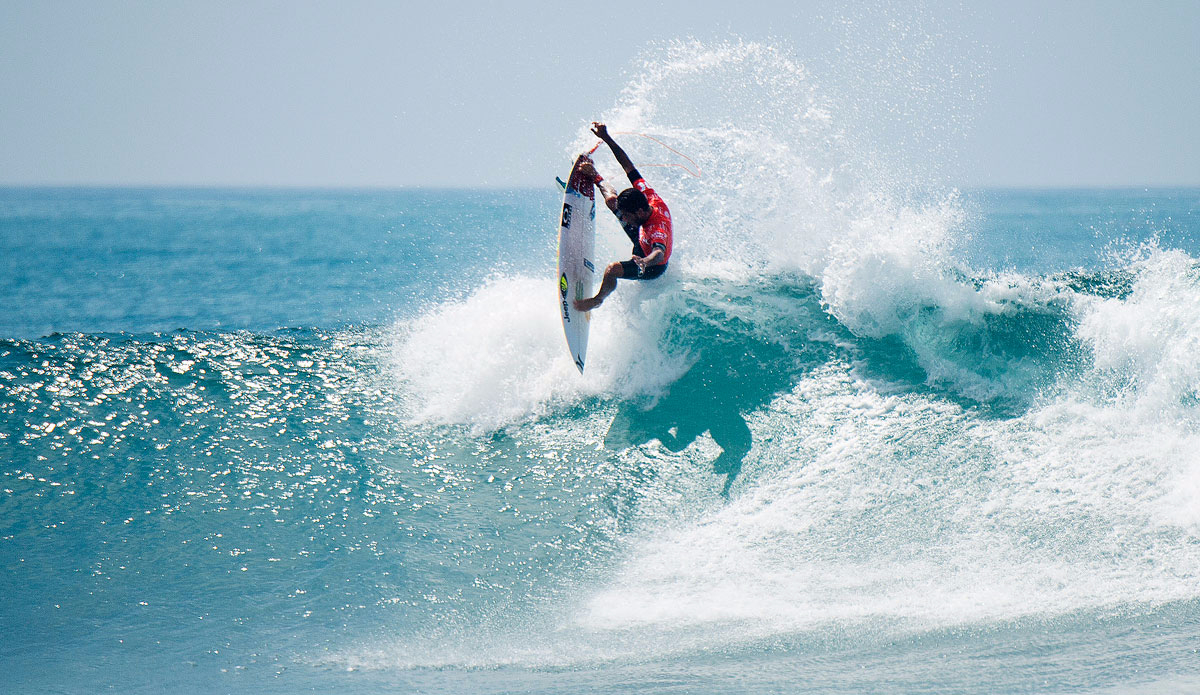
point(561, 183)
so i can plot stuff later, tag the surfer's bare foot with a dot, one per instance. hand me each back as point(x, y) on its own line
point(587, 304)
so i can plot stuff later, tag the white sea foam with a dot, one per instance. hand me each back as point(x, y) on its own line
point(912, 511)
point(784, 188)
point(498, 356)
point(1147, 343)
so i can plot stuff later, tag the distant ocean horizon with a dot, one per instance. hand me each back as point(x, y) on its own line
point(205, 222)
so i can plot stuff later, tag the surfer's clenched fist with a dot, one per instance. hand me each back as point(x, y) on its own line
point(600, 130)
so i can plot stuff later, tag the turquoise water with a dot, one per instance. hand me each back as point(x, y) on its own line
point(282, 441)
point(111, 260)
point(869, 434)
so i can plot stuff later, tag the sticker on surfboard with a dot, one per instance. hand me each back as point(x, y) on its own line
point(576, 246)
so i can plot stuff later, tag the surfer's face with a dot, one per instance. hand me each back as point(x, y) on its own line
point(639, 217)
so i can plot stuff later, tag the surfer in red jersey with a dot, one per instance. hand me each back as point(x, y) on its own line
point(644, 217)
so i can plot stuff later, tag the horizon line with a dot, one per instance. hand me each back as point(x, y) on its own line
point(519, 186)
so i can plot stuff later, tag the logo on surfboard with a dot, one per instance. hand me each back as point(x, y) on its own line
point(563, 286)
point(566, 216)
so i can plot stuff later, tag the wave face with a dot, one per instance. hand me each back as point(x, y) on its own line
point(848, 418)
point(843, 445)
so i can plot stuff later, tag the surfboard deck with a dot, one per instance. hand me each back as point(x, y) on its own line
point(576, 249)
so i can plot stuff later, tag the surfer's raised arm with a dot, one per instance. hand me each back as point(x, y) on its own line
point(601, 132)
point(643, 216)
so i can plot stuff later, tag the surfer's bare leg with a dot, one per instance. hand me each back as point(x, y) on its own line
point(607, 285)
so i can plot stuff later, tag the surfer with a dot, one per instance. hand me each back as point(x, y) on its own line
point(644, 217)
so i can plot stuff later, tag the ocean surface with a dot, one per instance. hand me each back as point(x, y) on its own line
point(863, 437)
point(291, 441)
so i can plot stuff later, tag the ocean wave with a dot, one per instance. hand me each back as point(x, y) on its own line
point(822, 416)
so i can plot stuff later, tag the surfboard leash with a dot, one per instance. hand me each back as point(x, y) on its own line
point(695, 172)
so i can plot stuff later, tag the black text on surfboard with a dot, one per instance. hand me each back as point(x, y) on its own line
point(576, 245)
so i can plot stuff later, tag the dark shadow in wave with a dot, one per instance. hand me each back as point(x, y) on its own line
point(739, 367)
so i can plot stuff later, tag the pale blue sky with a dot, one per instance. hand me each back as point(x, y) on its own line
point(466, 94)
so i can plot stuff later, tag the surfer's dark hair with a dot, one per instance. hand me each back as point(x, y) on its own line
point(632, 200)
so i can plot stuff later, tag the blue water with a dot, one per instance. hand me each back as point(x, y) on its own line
point(858, 439)
point(112, 260)
point(240, 456)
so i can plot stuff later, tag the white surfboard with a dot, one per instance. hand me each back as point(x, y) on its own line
point(576, 269)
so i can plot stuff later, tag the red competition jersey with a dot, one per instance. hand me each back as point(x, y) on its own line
point(657, 229)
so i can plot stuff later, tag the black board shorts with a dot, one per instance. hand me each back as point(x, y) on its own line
point(629, 268)
point(629, 271)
